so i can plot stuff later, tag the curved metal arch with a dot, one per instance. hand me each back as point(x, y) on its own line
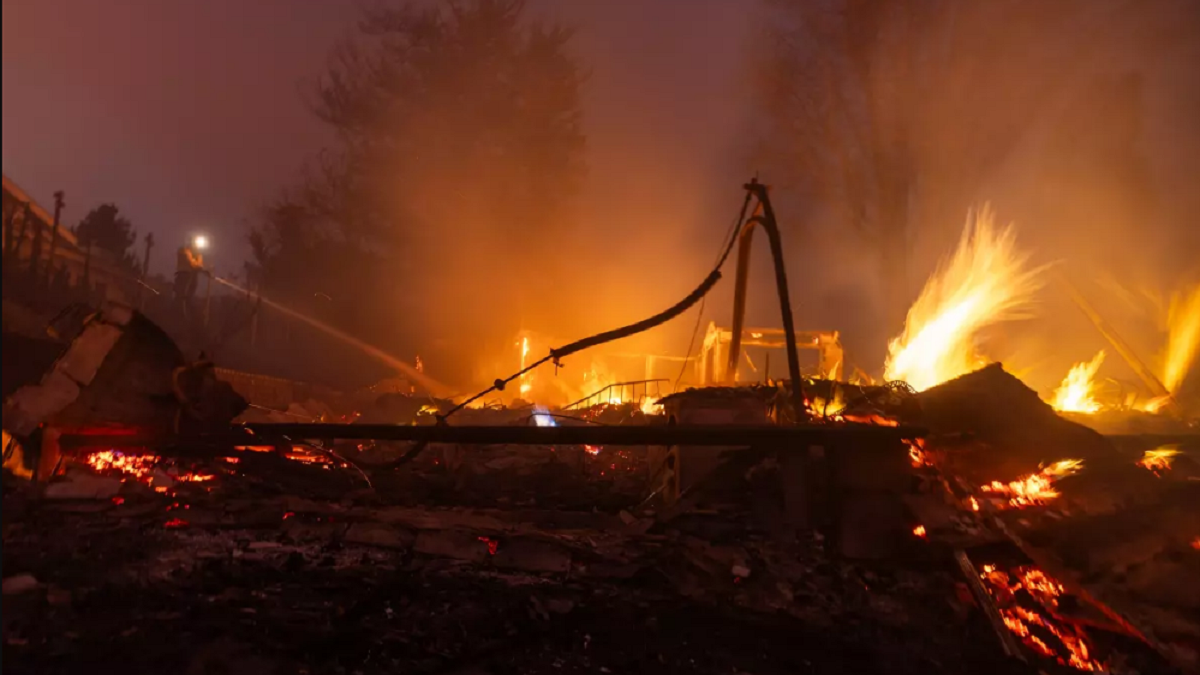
point(767, 220)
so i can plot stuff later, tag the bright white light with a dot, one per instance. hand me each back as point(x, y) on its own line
point(201, 241)
point(542, 418)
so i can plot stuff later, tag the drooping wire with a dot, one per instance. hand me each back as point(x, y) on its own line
point(632, 329)
point(731, 236)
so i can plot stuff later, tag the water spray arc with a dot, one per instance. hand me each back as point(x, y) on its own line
point(403, 367)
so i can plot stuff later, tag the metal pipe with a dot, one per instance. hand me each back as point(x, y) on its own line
point(790, 437)
point(767, 220)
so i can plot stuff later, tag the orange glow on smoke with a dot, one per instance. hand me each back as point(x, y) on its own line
point(1183, 338)
point(1035, 489)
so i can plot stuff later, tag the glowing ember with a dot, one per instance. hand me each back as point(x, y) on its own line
point(175, 523)
point(982, 284)
point(138, 466)
point(1077, 391)
point(1037, 625)
point(919, 531)
point(492, 544)
point(1183, 337)
point(592, 449)
point(916, 453)
point(974, 503)
point(1035, 489)
point(1158, 460)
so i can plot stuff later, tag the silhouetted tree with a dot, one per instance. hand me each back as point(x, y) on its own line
point(105, 229)
point(892, 111)
point(459, 149)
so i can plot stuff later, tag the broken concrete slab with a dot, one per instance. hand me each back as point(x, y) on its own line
point(34, 404)
point(86, 354)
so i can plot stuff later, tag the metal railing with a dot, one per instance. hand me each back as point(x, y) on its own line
point(621, 388)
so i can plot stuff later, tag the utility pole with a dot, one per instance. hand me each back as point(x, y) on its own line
point(58, 207)
point(145, 268)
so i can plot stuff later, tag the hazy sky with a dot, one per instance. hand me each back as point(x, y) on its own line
point(187, 113)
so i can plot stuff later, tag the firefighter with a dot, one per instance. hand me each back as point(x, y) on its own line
point(189, 264)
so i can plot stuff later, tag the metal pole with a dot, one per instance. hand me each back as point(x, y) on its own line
point(207, 298)
point(58, 207)
point(767, 220)
point(797, 438)
point(145, 267)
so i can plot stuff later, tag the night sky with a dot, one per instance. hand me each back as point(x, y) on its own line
point(188, 114)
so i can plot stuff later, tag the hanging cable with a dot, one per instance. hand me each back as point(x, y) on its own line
point(556, 355)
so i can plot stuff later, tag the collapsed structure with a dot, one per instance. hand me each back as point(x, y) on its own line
point(779, 497)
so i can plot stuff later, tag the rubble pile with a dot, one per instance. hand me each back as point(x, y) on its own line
point(264, 568)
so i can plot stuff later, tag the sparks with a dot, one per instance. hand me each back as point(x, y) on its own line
point(985, 282)
point(1078, 389)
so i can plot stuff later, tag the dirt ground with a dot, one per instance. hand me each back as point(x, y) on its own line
point(278, 568)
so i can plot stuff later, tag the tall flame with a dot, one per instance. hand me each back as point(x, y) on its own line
point(1078, 388)
point(981, 284)
point(526, 385)
point(1183, 337)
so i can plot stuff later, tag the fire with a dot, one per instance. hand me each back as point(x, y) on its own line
point(1158, 460)
point(981, 284)
point(526, 384)
point(1078, 389)
point(651, 406)
point(138, 466)
point(1032, 625)
point(916, 453)
point(1153, 405)
point(1196, 543)
point(919, 531)
point(1183, 337)
point(1035, 489)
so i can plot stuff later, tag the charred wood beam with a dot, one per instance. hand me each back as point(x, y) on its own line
point(1008, 641)
point(798, 438)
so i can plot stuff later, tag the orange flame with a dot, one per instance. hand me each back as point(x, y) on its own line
point(1035, 489)
point(1004, 588)
point(1078, 388)
point(981, 284)
point(1183, 337)
point(1159, 459)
